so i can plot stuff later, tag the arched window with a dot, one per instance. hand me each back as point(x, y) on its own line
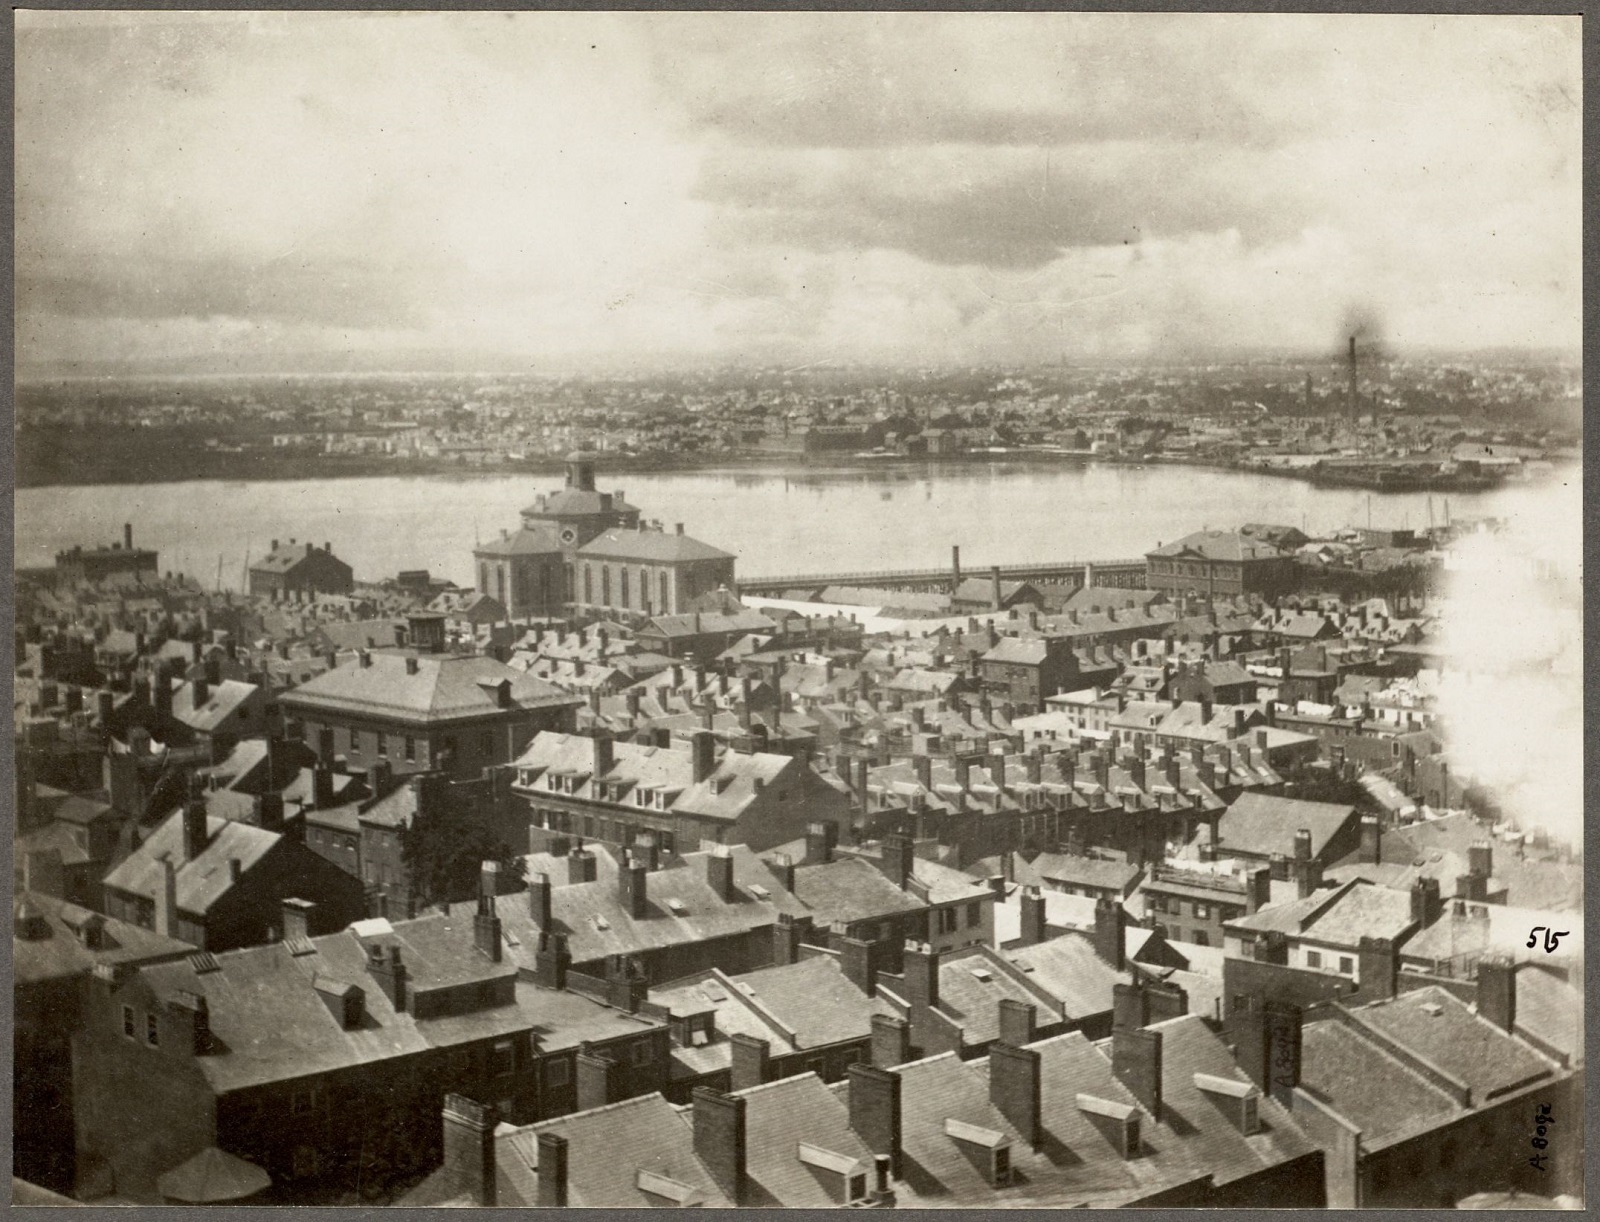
point(500, 581)
point(622, 585)
point(588, 584)
point(605, 585)
point(483, 578)
point(664, 607)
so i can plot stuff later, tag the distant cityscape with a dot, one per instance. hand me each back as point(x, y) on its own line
point(1397, 425)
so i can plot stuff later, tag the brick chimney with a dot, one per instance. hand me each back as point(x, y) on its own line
point(891, 1041)
point(603, 754)
point(1371, 840)
point(820, 841)
point(1480, 858)
point(897, 858)
point(1033, 918)
point(1378, 965)
point(718, 1121)
point(858, 959)
point(552, 1156)
point(1109, 920)
point(386, 969)
point(597, 1079)
point(1019, 1022)
point(875, 1112)
point(719, 873)
point(631, 889)
point(1257, 889)
point(704, 747)
point(195, 835)
point(550, 961)
point(1130, 1006)
point(539, 900)
point(751, 1063)
point(920, 963)
point(1136, 1062)
point(581, 866)
point(1015, 1089)
point(626, 985)
point(1302, 844)
point(1426, 906)
point(788, 935)
point(1497, 991)
point(486, 924)
point(166, 899)
point(469, 1147)
point(297, 918)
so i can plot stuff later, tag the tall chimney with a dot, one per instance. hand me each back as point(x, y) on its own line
point(875, 1111)
point(994, 587)
point(127, 536)
point(1136, 1062)
point(552, 1171)
point(1354, 400)
point(1014, 1089)
point(705, 755)
point(486, 924)
point(718, 1121)
point(1497, 991)
point(539, 900)
point(469, 1147)
point(1033, 919)
point(631, 882)
point(955, 568)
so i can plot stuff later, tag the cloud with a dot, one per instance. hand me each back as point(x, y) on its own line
point(957, 186)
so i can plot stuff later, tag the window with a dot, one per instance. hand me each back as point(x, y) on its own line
point(1313, 958)
point(947, 920)
point(383, 745)
point(1202, 912)
point(503, 1061)
point(641, 1052)
point(411, 750)
point(1346, 964)
point(303, 1102)
point(486, 742)
point(605, 584)
point(974, 914)
point(1201, 938)
point(128, 1027)
point(663, 608)
point(622, 585)
point(557, 1073)
point(152, 1030)
point(355, 743)
point(858, 1187)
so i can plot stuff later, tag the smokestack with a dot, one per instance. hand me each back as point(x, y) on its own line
point(1354, 401)
point(127, 536)
point(955, 567)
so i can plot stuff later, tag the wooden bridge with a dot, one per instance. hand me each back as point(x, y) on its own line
point(1121, 574)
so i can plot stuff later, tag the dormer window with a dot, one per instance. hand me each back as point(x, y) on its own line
point(851, 1182)
point(995, 1146)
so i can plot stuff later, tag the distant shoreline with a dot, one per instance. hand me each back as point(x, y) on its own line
point(226, 467)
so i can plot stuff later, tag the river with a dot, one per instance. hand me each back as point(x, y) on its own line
point(842, 518)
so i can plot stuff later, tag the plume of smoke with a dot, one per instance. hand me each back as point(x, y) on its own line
point(1511, 696)
point(1366, 324)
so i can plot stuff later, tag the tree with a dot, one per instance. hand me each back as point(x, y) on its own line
point(446, 845)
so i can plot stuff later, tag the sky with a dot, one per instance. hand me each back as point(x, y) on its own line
point(575, 190)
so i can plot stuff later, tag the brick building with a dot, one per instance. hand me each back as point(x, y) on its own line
point(1220, 564)
point(300, 571)
point(425, 712)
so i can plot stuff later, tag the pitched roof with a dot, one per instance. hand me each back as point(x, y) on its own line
point(597, 923)
point(1069, 968)
point(849, 890)
point(779, 1117)
point(207, 878)
point(1550, 1012)
point(1341, 916)
point(442, 688)
point(60, 950)
point(288, 556)
point(538, 540)
point(1219, 545)
point(972, 984)
point(653, 546)
point(607, 1150)
point(222, 701)
point(1087, 871)
point(1263, 824)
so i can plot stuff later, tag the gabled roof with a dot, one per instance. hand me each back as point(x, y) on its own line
point(1087, 871)
point(597, 924)
point(206, 879)
point(607, 1150)
point(292, 554)
point(1441, 1027)
point(1263, 824)
point(222, 701)
point(1069, 969)
point(61, 952)
point(443, 688)
point(779, 1117)
point(652, 546)
point(537, 540)
point(1342, 916)
point(1219, 545)
point(849, 890)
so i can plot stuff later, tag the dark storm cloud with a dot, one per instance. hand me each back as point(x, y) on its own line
point(1012, 211)
point(335, 293)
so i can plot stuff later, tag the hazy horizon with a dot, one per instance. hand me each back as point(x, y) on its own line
point(281, 192)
